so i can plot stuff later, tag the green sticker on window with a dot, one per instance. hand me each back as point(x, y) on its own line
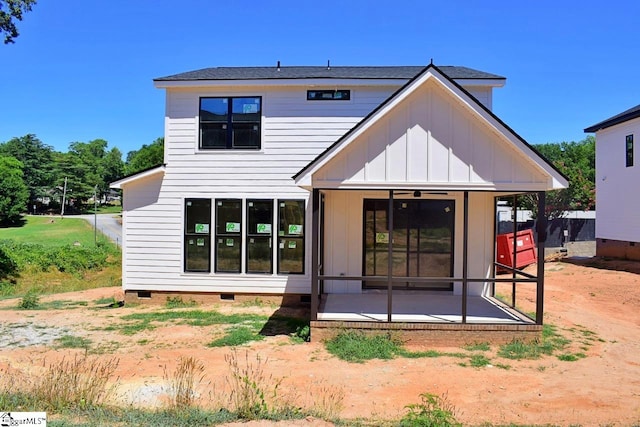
point(200, 242)
point(382, 237)
point(202, 228)
point(233, 227)
point(263, 228)
point(230, 242)
point(295, 229)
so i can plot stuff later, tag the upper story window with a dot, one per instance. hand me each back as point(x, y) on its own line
point(629, 150)
point(230, 122)
point(329, 95)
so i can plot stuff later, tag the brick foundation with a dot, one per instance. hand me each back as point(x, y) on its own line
point(618, 249)
point(433, 334)
point(160, 298)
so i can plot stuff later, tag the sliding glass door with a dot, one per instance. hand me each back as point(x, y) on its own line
point(422, 241)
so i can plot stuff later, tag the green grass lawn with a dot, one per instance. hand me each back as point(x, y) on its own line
point(51, 263)
point(52, 231)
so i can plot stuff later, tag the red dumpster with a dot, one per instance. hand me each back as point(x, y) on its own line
point(525, 249)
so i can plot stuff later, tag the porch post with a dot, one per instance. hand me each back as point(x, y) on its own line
point(515, 250)
point(390, 258)
point(465, 256)
point(315, 215)
point(542, 238)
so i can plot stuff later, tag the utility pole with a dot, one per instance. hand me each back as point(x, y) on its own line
point(64, 195)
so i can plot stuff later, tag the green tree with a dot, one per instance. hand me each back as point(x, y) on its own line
point(87, 165)
point(146, 157)
point(13, 191)
point(577, 160)
point(10, 10)
point(81, 178)
point(113, 167)
point(37, 163)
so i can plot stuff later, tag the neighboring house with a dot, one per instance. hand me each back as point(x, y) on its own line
point(362, 190)
point(617, 181)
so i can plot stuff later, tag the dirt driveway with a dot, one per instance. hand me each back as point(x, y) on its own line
point(596, 307)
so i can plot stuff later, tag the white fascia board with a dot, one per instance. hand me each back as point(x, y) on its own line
point(124, 181)
point(481, 82)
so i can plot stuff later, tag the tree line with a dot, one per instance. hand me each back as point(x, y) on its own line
point(33, 174)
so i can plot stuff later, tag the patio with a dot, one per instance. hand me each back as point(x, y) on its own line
point(417, 307)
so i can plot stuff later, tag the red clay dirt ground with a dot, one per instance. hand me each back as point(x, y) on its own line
point(593, 303)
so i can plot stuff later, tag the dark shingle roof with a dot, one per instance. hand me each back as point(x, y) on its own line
point(630, 114)
point(323, 72)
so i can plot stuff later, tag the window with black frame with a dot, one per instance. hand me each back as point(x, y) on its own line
point(197, 235)
point(629, 150)
point(291, 236)
point(228, 235)
point(259, 236)
point(230, 122)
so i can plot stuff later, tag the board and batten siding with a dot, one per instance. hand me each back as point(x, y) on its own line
point(430, 138)
point(617, 200)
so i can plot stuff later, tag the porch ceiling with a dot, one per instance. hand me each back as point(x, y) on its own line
point(418, 307)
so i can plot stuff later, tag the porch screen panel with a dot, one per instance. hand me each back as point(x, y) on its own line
point(228, 235)
point(259, 236)
point(291, 236)
point(197, 235)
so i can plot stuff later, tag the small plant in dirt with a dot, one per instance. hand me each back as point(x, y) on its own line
point(550, 342)
point(479, 361)
point(254, 394)
point(571, 357)
point(71, 341)
point(354, 346)
point(178, 302)
point(236, 336)
point(30, 301)
point(303, 333)
point(105, 301)
point(184, 381)
point(432, 411)
point(483, 346)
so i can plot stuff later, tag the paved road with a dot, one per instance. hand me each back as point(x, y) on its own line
point(108, 224)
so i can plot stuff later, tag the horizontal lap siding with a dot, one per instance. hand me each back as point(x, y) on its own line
point(294, 132)
point(617, 203)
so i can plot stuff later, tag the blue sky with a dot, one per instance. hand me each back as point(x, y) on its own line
point(83, 69)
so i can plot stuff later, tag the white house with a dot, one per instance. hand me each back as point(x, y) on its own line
point(617, 181)
point(334, 185)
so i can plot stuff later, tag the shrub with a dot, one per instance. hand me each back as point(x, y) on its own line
point(30, 301)
point(433, 411)
point(69, 258)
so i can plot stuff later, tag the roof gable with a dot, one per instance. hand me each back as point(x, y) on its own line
point(625, 116)
point(431, 132)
